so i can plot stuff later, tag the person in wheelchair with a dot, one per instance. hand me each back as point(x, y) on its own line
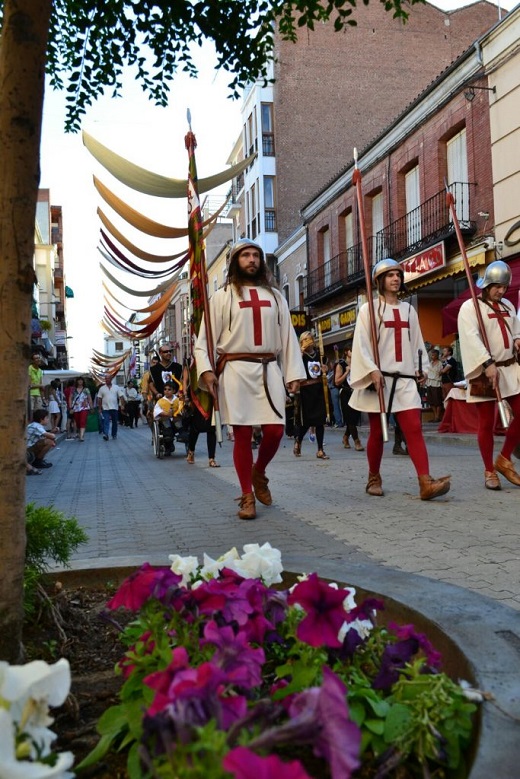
point(167, 411)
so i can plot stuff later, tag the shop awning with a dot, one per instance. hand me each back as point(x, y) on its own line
point(69, 293)
point(451, 311)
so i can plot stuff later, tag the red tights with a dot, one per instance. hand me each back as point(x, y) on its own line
point(243, 454)
point(486, 422)
point(410, 423)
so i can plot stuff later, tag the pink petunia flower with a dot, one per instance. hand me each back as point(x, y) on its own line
point(142, 585)
point(325, 611)
point(242, 763)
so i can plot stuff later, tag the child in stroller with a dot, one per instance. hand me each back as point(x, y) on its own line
point(167, 412)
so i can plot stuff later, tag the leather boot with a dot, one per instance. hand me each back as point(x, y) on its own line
point(432, 488)
point(247, 508)
point(491, 480)
point(507, 469)
point(358, 446)
point(262, 491)
point(374, 484)
point(346, 444)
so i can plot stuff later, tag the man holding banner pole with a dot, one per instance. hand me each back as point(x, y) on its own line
point(397, 374)
point(489, 345)
point(256, 352)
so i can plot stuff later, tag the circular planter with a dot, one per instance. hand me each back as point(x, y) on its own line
point(479, 640)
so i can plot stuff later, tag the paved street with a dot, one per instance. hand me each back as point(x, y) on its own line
point(137, 508)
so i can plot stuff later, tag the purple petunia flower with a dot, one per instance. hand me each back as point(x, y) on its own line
point(338, 739)
point(325, 611)
point(394, 658)
point(142, 585)
point(234, 655)
point(242, 763)
point(433, 657)
point(320, 716)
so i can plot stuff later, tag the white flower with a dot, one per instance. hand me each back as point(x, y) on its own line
point(211, 568)
point(26, 692)
point(477, 696)
point(260, 561)
point(185, 566)
point(361, 626)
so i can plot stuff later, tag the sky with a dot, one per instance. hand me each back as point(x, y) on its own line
point(149, 136)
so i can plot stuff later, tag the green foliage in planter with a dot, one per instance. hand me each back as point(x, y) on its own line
point(51, 537)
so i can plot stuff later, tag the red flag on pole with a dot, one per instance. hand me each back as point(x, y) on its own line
point(198, 273)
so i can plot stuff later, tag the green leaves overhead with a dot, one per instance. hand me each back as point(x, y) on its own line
point(91, 42)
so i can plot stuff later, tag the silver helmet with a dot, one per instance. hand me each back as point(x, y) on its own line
point(382, 267)
point(497, 272)
point(244, 243)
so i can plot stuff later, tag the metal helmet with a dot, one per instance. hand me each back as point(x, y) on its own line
point(243, 244)
point(497, 272)
point(383, 266)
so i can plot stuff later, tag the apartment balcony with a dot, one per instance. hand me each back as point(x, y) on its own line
point(414, 232)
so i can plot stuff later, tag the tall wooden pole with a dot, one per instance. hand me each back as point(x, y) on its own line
point(356, 180)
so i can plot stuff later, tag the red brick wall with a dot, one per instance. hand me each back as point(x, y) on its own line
point(426, 147)
point(335, 91)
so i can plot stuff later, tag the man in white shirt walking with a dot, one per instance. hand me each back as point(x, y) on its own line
point(109, 398)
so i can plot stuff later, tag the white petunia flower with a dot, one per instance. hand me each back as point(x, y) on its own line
point(26, 692)
point(361, 626)
point(184, 566)
point(212, 568)
point(476, 696)
point(260, 561)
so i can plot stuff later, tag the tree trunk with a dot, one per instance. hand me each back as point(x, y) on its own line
point(22, 71)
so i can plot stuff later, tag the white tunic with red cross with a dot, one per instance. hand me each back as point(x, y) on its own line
point(502, 328)
point(399, 342)
point(258, 322)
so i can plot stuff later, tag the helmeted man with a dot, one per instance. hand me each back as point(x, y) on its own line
point(499, 364)
point(256, 351)
point(400, 343)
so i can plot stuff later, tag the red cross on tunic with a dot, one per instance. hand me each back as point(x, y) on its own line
point(398, 324)
point(500, 315)
point(256, 305)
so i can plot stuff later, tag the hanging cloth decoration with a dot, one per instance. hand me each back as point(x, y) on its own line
point(150, 183)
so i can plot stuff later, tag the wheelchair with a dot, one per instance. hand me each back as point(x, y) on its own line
point(164, 437)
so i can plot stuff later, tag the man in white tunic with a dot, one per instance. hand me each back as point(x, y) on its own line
point(401, 348)
point(499, 364)
point(256, 350)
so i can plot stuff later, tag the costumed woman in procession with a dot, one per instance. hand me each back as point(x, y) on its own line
point(312, 406)
point(401, 346)
point(256, 352)
point(499, 365)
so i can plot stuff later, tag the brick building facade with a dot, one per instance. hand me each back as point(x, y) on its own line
point(442, 137)
point(336, 91)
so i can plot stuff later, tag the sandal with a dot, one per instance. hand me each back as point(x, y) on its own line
point(297, 449)
point(213, 464)
point(190, 457)
point(322, 456)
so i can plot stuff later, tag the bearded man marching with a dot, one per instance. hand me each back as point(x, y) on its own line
point(499, 364)
point(256, 350)
point(400, 348)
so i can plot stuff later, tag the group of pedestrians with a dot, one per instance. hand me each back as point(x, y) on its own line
point(259, 360)
point(254, 362)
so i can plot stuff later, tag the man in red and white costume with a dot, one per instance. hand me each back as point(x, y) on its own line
point(500, 366)
point(256, 351)
point(399, 341)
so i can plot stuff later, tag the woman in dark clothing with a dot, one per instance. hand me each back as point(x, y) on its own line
point(312, 409)
point(200, 425)
point(351, 417)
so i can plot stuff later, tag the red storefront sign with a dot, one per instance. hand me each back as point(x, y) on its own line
point(425, 262)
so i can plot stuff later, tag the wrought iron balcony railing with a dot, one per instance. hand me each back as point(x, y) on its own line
point(412, 233)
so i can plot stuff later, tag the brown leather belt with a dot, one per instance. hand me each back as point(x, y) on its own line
point(505, 363)
point(257, 357)
point(306, 382)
